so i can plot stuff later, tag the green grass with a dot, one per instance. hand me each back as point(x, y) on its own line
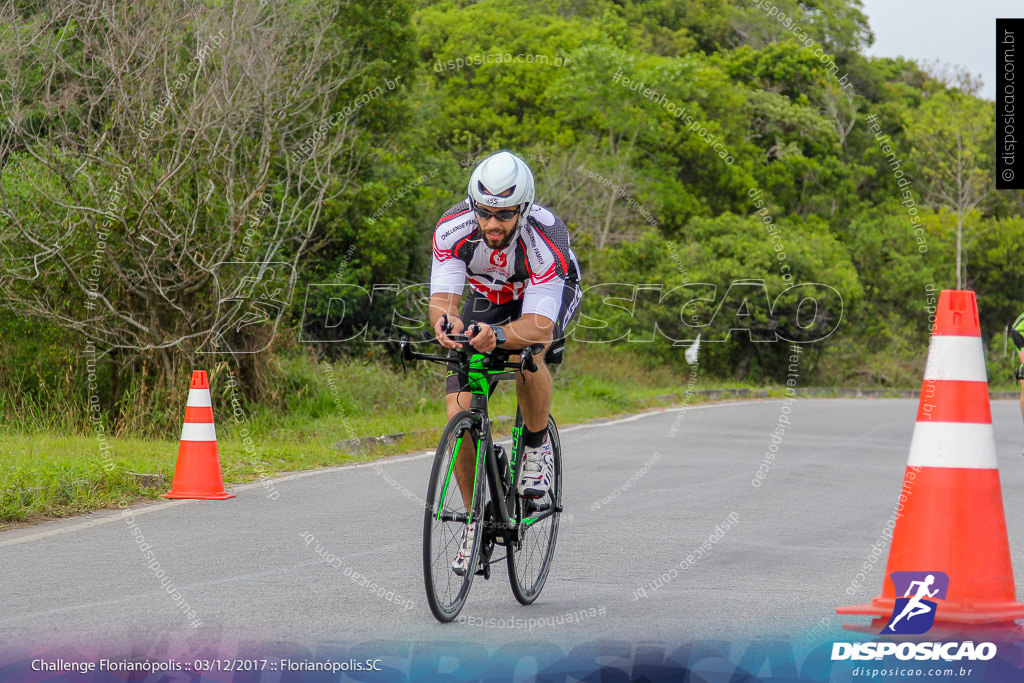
point(54, 465)
point(47, 475)
point(48, 472)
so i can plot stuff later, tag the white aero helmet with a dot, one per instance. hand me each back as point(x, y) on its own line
point(496, 175)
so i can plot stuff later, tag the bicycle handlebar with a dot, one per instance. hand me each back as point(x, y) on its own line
point(526, 357)
point(497, 359)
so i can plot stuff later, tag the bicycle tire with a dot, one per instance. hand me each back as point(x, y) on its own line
point(444, 519)
point(529, 560)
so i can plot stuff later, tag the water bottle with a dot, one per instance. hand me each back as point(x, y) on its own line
point(499, 451)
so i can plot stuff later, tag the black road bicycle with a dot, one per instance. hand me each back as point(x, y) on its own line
point(526, 528)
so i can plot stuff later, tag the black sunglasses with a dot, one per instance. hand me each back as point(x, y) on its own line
point(506, 215)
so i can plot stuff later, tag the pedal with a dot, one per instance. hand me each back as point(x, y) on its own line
point(533, 506)
point(486, 550)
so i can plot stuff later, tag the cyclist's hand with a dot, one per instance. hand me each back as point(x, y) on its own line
point(442, 337)
point(483, 339)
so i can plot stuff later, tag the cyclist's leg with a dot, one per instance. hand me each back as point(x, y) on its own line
point(478, 309)
point(535, 391)
point(534, 394)
point(464, 459)
point(1021, 355)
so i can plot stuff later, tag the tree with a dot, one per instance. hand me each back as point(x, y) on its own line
point(747, 285)
point(838, 26)
point(165, 165)
point(594, 182)
point(998, 277)
point(950, 141)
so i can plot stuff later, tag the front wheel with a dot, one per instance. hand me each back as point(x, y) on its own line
point(529, 559)
point(446, 516)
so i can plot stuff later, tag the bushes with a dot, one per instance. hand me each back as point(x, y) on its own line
point(729, 282)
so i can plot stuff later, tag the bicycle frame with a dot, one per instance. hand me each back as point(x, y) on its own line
point(482, 372)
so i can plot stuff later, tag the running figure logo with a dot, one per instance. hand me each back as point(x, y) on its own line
point(914, 613)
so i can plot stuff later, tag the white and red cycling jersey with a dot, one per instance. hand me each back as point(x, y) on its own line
point(538, 267)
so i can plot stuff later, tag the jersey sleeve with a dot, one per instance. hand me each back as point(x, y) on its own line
point(447, 270)
point(447, 276)
point(550, 263)
point(544, 299)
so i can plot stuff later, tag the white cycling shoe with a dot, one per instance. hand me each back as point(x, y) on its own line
point(461, 563)
point(538, 471)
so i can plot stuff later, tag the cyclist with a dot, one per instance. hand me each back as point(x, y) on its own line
point(524, 290)
point(1017, 336)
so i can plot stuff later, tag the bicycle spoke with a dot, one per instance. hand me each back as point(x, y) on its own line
point(445, 520)
point(451, 467)
point(529, 560)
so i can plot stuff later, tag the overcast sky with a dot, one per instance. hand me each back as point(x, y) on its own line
point(955, 31)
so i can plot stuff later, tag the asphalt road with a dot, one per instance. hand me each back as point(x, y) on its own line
point(281, 566)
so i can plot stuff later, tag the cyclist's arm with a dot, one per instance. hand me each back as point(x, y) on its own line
point(442, 304)
point(530, 328)
point(540, 310)
point(447, 280)
point(537, 323)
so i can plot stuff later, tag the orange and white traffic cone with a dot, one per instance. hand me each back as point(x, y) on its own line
point(197, 474)
point(953, 518)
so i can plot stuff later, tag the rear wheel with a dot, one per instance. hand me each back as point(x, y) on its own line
point(529, 558)
point(445, 519)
